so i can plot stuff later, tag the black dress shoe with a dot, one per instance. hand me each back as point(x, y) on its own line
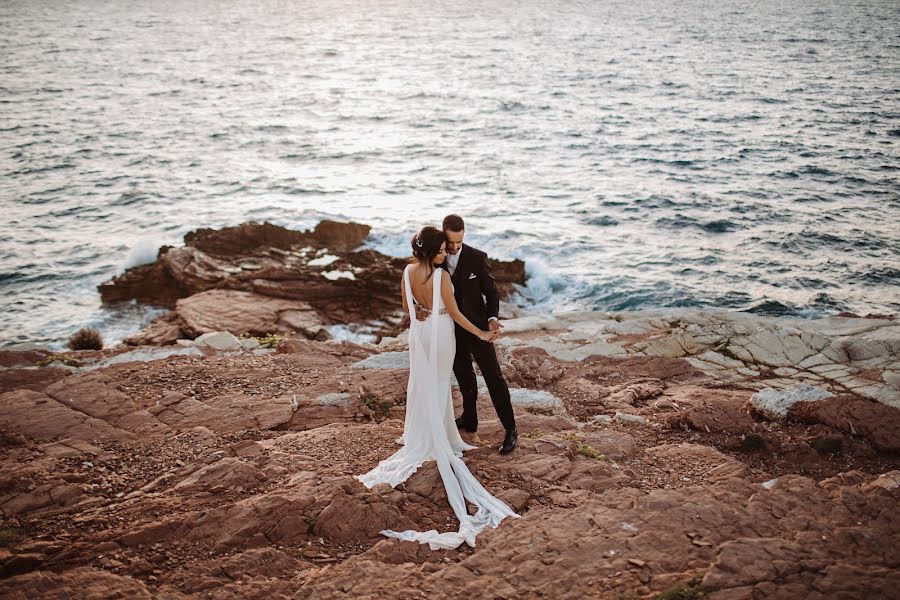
point(509, 442)
point(460, 424)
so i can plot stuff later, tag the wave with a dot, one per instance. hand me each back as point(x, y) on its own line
point(715, 226)
point(511, 106)
point(819, 305)
point(655, 201)
point(544, 286)
point(684, 163)
point(603, 221)
point(719, 226)
point(878, 275)
point(23, 275)
point(814, 170)
point(771, 308)
point(39, 170)
point(395, 244)
point(130, 198)
point(853, 241)
point(144, 251)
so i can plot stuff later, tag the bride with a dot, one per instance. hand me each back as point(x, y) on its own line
point(430, 432)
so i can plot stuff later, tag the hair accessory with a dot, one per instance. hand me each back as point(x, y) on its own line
point(418, 241)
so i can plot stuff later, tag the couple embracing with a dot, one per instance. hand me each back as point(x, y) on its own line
point(452, 302)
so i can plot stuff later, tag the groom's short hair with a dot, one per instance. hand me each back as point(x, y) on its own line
point(453, 223)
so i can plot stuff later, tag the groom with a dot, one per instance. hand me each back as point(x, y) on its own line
point(473, 283)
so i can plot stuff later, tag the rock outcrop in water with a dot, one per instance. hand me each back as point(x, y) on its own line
point(257, 279)
point(740, 456)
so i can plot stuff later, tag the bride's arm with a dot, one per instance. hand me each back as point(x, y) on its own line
point(456, 315)
point(405, 321)
point(403, 296)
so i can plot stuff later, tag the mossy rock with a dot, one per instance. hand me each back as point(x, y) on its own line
point(683, 590)
point(752, 442)
point(828, 444)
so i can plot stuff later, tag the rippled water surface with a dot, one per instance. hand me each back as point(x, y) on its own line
point(636, 154)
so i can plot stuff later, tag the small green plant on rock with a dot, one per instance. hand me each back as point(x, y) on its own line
point(86, 339)
point(270, 341)
point(533, 434)
point(585, 450)
point(377, 406)
point(10, 535)
point(64, 359)
point(683, 590)
point(582, 448)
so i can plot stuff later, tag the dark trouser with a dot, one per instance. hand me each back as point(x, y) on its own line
point(468, 347)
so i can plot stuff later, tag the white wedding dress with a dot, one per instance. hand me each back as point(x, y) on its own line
point(430, 433)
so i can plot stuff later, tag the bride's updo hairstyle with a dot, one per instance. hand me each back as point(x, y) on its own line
point(425, 246)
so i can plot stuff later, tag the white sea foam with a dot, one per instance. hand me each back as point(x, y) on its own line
point(323, 261)
point(335, 275)
point(390, 243)
point(115, 322)
point(356, 334)
point(144, 252)
point(542, 284)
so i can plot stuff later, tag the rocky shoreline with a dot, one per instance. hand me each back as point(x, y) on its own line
point(258, 279)
point(680, 452)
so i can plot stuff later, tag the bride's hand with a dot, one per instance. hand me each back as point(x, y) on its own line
point(489, 336)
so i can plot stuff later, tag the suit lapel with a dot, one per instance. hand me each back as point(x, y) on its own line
point(459, 265)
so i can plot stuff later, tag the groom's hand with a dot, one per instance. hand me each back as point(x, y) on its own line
point(495, 325)
point(422, 313)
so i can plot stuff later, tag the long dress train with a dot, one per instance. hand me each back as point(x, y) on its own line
point(430, 432)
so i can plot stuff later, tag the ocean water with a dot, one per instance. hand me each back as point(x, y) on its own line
point(636, 154)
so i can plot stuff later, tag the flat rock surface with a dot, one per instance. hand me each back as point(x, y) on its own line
point(639, 471)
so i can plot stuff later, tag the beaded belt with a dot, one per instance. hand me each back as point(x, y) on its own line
point(443, 311)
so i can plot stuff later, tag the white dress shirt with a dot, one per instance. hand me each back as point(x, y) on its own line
point(452, 261)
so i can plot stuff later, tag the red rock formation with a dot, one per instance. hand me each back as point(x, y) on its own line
point(245, 313)
point(876, 422)
point(161, 331)
point(507, 273)
point(274, 262)
point(37, 379)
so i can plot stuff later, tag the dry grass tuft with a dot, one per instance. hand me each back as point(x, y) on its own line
point(86, 339)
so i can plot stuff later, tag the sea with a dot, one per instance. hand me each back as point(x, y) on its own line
point(635, 153)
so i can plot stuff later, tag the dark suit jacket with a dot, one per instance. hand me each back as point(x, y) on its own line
point(474, 287)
